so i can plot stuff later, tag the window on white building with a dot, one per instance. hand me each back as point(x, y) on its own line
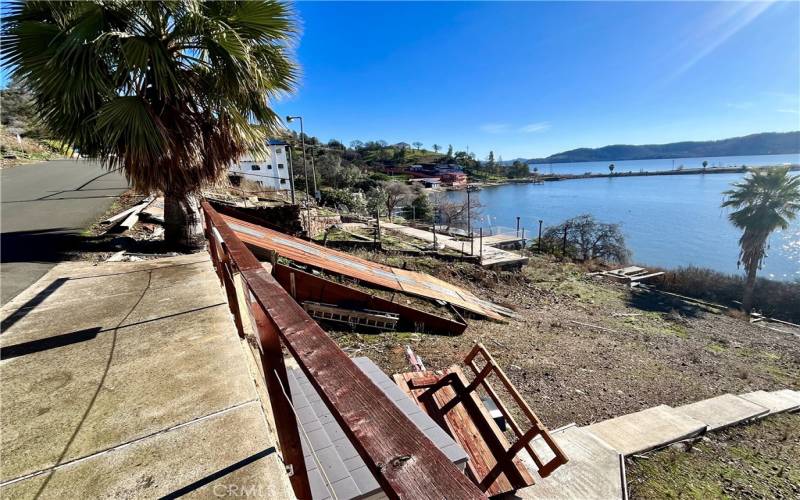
point(278, 150)
point(283, 181)
point(255, 167)
point(280, 165)
point(269, 167)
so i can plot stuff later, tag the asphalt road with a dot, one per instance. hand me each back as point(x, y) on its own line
point(43, 207)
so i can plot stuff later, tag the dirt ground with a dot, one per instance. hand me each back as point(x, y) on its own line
point(760, 460)
point(583, 350)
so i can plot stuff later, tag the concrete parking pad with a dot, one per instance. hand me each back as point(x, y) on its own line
point(101, 358)
point(723, 411)
point(594, 469)
point(777, 401)
point(646, 430)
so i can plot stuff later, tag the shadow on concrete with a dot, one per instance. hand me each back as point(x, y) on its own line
point(220, 474)
point(45, 344)
point(31, 304)
point(656, 302)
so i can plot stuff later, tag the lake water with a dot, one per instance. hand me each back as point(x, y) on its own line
point(601, 167)
point(668, 221)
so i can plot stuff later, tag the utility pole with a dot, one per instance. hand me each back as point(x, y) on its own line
point(305, 171)
point(291, 171)
point(314, 173)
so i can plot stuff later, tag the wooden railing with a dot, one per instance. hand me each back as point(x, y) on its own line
point(403, 460)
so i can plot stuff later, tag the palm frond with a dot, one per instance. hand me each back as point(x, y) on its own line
point(172, 91)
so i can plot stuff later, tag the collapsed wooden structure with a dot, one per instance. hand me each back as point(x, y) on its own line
point(305, 286)
point(404, 462)
point(454, 402)
point(402, 459)
point(630, 274)
point(343, 264)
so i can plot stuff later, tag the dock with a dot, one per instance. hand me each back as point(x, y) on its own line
point(491, 256)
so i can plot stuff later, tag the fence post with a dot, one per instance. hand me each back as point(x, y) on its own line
point(540, 236)
point(480, 229)
point(378, 228)
point(269, 345)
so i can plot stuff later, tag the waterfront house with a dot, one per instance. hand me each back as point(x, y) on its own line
point(454, 179)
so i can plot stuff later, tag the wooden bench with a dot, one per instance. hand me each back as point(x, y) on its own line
point(453, 402)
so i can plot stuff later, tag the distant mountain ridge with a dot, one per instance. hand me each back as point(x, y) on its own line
point(766, 143)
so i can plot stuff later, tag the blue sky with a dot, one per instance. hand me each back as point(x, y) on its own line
point(532, 79)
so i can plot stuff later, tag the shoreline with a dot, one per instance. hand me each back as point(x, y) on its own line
point(541, 179)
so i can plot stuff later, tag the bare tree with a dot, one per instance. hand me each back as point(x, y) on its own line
point(417, 145)
point(588, 239)
point(397, 193)
point(453, 212)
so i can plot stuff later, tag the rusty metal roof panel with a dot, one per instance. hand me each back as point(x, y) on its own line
point(414, 283)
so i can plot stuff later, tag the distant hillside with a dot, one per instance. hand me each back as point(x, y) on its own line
point(756, 144)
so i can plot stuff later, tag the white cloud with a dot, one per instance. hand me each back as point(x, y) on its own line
point(535, 127)
point(495, 128)
point(788, 110)
point(740, 105)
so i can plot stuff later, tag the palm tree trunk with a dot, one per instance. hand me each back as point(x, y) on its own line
point(749, 285)
point(183, 228)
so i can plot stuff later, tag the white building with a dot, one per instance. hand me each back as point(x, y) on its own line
point(271, 170)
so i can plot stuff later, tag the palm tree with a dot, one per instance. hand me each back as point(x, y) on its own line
point(170, 92)
point(417, 145)
point(763, 202)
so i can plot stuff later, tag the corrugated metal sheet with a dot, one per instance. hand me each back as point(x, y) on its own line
point(336, 262)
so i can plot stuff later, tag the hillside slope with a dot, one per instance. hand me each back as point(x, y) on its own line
point(755, 144)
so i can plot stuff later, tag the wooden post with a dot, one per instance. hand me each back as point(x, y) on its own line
point(523, 237)
point(481, 243)
point(269, 345)
point(292, 286)
point(517, 225)
point(378, 229)
point(540, 236)
point(471, 243)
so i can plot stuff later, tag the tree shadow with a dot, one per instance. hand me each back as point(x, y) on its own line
point(63, 244)
point(656, 302)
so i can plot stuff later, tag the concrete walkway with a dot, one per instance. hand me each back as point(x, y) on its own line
point(596, 452)
point(491, 256)
point(128, 380)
